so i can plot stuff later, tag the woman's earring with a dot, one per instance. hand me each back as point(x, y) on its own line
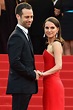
point(44, 35)
point(56, 35)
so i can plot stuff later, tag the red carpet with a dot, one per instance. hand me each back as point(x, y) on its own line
point(36, 101)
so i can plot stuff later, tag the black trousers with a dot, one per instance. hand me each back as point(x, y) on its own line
point(20, 101)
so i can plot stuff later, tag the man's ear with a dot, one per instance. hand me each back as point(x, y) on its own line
point(18, 16)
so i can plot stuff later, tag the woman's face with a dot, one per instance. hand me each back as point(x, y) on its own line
point(50, 29)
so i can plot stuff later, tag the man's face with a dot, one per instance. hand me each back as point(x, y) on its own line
point(26, 19)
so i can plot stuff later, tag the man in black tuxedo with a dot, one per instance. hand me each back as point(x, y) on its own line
point(22, 80)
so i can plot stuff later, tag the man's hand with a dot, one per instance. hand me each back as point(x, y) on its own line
point(37, 75)
point(56, 11)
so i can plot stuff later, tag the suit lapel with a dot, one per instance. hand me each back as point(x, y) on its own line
point(28, 41)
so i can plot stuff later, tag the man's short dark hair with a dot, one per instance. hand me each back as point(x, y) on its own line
point(19, 7)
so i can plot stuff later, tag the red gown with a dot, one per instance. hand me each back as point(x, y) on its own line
point(53, 90)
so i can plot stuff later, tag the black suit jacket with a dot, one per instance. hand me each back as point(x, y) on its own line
point(21, 58)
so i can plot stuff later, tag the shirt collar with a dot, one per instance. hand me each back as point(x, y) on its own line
point(23, 28)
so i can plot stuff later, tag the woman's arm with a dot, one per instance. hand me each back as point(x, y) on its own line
point(57, 49)
point(2, 5)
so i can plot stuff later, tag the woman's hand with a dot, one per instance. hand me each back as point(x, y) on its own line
point(39, 72)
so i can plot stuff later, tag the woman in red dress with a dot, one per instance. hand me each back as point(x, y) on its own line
point(53, 90)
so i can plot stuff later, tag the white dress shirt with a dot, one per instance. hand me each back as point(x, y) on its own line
point(24, 30)
point(55, 2)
